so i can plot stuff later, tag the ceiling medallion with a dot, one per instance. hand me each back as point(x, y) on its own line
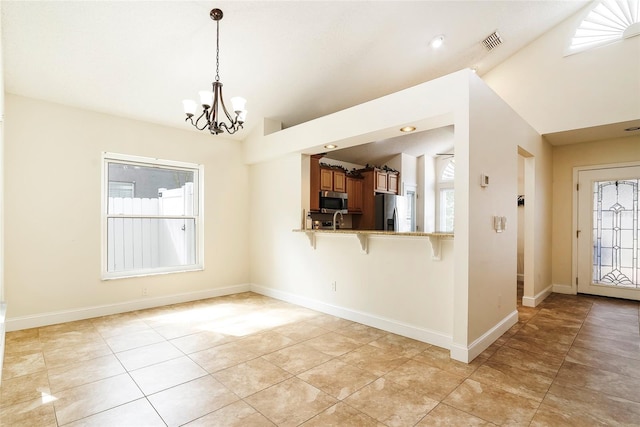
point(212, 100)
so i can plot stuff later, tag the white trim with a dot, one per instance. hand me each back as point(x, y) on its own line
point(467, 354)
point(574, 221)
point(52, 318)
point(564, 289)
point(421, 334)
point(538, 298)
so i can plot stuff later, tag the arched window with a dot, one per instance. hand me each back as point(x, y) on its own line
point(607, 22)
point(446, 195)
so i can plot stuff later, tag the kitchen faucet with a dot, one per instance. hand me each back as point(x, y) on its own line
point(334, 218)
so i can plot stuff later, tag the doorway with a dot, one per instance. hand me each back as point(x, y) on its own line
point(529, 299)
point(607, 234)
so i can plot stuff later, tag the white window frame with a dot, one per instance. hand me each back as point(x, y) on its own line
point(198, 215)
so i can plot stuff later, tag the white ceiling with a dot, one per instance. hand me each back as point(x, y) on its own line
point(293, 61)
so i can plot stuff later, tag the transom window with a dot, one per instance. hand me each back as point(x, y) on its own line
point(152, 220)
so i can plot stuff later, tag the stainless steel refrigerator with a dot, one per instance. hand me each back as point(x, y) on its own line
point(392, 213)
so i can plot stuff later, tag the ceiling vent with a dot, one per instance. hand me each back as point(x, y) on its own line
point(492, 41)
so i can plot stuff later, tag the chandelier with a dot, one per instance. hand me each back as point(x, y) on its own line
point(211, 101)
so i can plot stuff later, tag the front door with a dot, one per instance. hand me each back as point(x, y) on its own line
point(608, 238)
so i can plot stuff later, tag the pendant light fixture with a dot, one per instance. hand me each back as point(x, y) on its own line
point(211, 101)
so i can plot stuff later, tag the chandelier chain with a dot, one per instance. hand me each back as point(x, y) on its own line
point(217, 51)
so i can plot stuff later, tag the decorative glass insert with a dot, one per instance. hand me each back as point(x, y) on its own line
point(449, 171)
point(615, 233)
point(608, 21)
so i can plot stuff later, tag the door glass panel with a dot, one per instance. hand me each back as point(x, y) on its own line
point(615, 233)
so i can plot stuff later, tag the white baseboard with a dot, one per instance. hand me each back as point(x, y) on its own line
point(467, 354)
point(564, 289)
point(538, 298)
point(390, 325)
point(52, 318)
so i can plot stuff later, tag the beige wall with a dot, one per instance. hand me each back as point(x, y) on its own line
point(565, 158)
point(53, 242)
point(556, 93)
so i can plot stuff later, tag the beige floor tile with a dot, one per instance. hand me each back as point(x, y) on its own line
point(512, 379)
point(361, 333)
point(137, 413)
point(440, 358)
point(57, 357)
point(222, 357)
point(342, 415)
point(187, 402)
point(405, 347)
point(333, 344)
point(428, 380)
point(23, 363)
point(608, 362)
point(337, 378)
point(66, 340)
point(133, 340)
point(552, 334)
point(329, 322)
point(446, 416)
point(237, 414)
point(297, 358)
point(119, 326)
point(25, 341)
point(607, 345)
point(391, 403)
point(148, 355)
point(161, 376)
point(251, 377)
point(300, 331)
point(541, 347)
point(610, 331)
point(492, 403)
point(587, 377)
point(375, 360)
point(548, 365)
point(65, 328)
point(24, 388)
point(201, 341)
point(291, 402)
point(84, 372)
point(28, 414)
point(265, 343)
point(89, 399)
point(178, 330)
point(568, 406)
point(631, 328)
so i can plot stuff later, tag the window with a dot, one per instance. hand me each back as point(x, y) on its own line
point(445, 201)
point(152, 216)
point(607, 22)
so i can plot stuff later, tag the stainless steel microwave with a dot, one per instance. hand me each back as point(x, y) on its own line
point(331, 202)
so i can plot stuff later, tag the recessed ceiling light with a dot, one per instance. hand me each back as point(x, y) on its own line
point(632, 129)
point(330, 146)
point(408, 129)
point(437, 41)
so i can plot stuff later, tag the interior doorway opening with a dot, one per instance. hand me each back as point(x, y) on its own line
point(526, 204)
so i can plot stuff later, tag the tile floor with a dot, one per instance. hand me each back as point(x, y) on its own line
point(248, 360)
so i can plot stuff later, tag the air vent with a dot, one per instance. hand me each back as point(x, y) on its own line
point(492, 41)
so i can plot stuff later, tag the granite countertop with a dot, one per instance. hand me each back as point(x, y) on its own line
point(377, 232)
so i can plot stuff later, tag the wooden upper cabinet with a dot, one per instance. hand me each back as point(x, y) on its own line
point(381, 181)
point(354, 194)
point(333, 180)
point(339, 181)
point(326, 179)
point(392, 182)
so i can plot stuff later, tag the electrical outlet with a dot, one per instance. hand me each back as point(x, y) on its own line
point(333, 286)
point(145, 292)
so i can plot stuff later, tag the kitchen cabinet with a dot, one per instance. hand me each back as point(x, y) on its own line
point(333, 180)
point(380, 180)
point(392, 183)
point(354, 193)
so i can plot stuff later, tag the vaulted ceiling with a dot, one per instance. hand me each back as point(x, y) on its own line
point(293, 60)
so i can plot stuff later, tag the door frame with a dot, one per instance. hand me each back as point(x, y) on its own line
point(574, 219)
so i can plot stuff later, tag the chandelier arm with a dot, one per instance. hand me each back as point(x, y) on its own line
point(224, 108)
point(204, 114)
